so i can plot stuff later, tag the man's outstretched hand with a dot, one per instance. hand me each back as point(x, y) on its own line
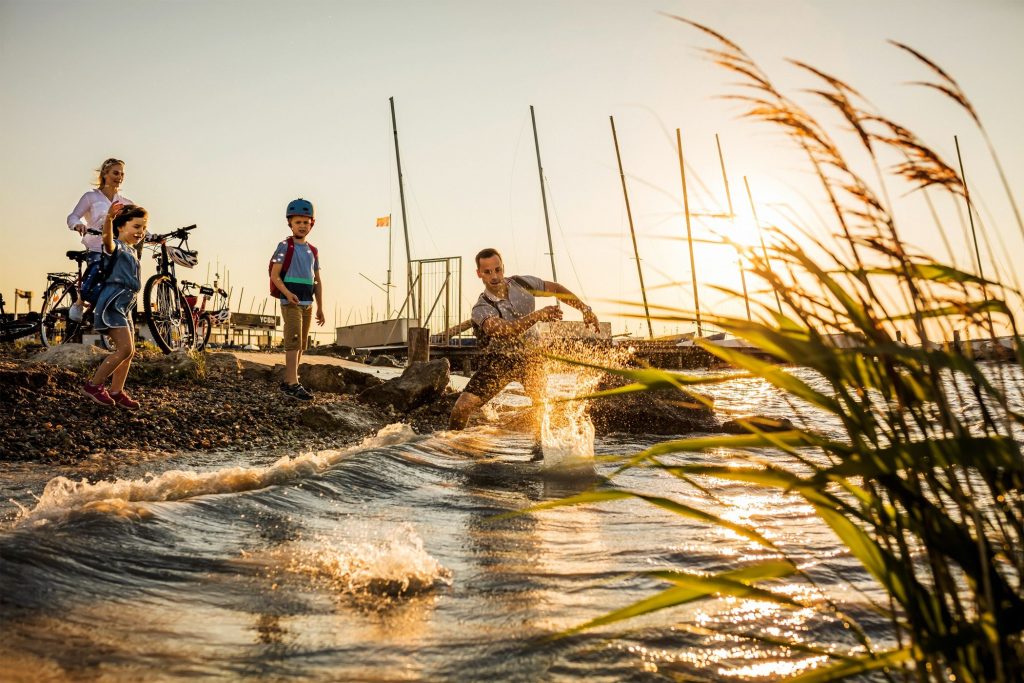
point(549, 313)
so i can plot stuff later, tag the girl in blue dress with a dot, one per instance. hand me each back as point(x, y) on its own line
point(113, 311)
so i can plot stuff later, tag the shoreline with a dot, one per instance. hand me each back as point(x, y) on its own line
point(233, 406)
point(226, 402)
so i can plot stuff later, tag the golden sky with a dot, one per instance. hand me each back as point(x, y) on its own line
point(225, 111)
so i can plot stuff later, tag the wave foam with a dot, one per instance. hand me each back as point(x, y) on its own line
point(62, 496)
point(398, 566)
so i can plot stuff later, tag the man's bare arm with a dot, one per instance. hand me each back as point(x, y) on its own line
point(497, 327)
point(571, 299)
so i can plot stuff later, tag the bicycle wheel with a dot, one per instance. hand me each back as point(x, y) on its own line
point(168, 315)
point(16, 329)
point(204, 328)
point(57, 327)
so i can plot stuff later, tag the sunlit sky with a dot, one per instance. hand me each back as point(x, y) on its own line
point(225, 111)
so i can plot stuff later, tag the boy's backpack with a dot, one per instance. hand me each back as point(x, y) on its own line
point(95, 277)
point(482, 338)
point(289, 252)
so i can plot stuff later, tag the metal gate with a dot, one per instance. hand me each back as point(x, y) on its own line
point(439, 296)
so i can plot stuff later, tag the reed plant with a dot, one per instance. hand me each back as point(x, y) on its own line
point(925, 493)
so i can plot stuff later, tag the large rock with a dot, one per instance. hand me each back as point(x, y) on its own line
point(420, 383)
point(650, 412)
point(77, 357)
point(345, 417)
point(336, 379)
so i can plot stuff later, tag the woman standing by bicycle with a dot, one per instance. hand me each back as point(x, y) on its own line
point(90, 212)
point(113, 312)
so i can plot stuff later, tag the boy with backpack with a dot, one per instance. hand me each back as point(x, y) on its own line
point(295, 280)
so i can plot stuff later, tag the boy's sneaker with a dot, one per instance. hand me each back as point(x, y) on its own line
point(123, 400)
point(296, 391)
point(97, 393)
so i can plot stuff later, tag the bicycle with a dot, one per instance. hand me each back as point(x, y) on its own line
point(206, 320)
point(168, 314)
point(56, 326)
point(12, 328)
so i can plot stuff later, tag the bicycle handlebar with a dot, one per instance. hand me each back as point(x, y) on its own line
point(180, 233)
point(188, 284)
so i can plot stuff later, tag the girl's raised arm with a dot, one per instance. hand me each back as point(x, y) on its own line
point(108, 228)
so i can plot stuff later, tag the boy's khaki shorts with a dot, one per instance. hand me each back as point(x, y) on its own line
point(297, 319)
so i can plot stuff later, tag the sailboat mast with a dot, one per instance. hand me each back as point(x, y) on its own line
point(732, 221)
point(689, 234)
point(632, 231)
point(405, 225)
point(543, 195)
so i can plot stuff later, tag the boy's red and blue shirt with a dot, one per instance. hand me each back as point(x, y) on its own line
point(301, 273)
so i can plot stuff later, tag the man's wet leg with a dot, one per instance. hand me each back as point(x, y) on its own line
point(463, 410)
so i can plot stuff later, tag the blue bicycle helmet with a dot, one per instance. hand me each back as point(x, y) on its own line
point(299, 207)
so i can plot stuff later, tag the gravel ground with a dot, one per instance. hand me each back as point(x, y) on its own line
point(44, 417)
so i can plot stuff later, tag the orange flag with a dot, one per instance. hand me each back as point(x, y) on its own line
point(384, 222)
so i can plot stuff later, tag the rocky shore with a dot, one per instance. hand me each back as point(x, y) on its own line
point(44, 417)
point(217, 401)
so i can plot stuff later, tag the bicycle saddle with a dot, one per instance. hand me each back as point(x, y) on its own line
point(78, 256)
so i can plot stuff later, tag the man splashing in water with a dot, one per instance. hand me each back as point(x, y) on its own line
point(504, 313)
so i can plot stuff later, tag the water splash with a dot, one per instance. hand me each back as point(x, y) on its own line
point(62, 496)
point(396, 566)
point(567, 434)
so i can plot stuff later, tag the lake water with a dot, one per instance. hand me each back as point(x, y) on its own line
point(388, 560)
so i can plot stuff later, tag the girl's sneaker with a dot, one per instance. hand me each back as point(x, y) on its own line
point(123, 400)
point(97, 393)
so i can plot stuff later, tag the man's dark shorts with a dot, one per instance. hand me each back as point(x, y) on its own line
point(498, 369)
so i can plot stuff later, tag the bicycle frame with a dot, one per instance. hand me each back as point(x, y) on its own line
point(171, 318)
